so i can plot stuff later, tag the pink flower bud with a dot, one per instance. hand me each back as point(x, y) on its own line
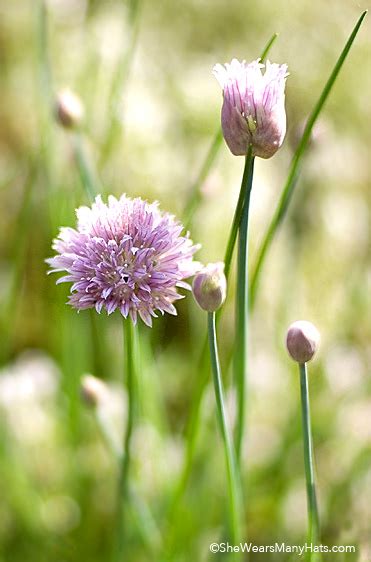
point(210, 287)
point(69, 109)
point(253, 109)
point(302, 341)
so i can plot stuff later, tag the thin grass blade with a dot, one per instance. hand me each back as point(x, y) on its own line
point(296, 164)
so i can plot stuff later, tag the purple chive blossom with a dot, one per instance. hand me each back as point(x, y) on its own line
point(125, 255)
point(253, 109)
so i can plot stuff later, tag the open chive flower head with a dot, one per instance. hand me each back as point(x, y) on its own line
point(124, 255)
point(253, 109)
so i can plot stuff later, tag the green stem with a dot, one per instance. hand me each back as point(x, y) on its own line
point(99, 353)
point(129, 374)
point(193, 424)
point(195, 191)
point(191, 441)
point(87, 176)
point(192, 427)
point(8, 314)
point(108, 433)
point(131, 391)
point(234, 229)
point(45, 72)
point(120, 81)
point(144, 519)
point(242, 302)
point(268, 47)
point(313, 517)
point(45, 88)
point(234, 488)
point(297, 162)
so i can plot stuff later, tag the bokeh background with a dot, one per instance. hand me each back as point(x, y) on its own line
point(143, 71)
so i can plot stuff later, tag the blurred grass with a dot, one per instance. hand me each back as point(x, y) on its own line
point(59, 482)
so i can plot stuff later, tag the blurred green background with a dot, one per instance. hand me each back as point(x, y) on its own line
point(143, 72)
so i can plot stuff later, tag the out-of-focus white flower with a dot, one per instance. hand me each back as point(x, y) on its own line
point(27, 391)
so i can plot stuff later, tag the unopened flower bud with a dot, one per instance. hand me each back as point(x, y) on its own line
point(93, 390)
point(210, 287)
point(302, 341)
point(69, 109)
point(253, 111)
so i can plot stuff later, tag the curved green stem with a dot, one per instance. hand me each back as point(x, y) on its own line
point(146, 524)
point(120, 81)
point(297, 162)
point(234, 488)
point(45, 71)
point(234, 229)
point(19, 249)
point(242, 302)
point(87, 175)
point(313, 517)
point(129, 373)
point(268, 47)
point(195, 191)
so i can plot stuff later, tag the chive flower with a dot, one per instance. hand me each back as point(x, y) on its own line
point(124, 255)
point(253, 110)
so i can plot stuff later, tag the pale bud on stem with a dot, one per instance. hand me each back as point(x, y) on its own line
point(302, 341)
point(93, 390)
point(69, 110)
point(210, 287)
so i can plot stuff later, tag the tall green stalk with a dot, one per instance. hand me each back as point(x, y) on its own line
point(119, 82)
point(87, 174)
point(193, 424)
point(195, 190)
point(131, 388)
point(242, 311)
point(313, 517)
point(43, 61)
point(145, 522)
point(19, 249)
point(234, 487)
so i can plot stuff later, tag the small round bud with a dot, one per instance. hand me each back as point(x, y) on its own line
point(69, 110)
point(302, 341)
point(210, 287)
point(93, 390)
